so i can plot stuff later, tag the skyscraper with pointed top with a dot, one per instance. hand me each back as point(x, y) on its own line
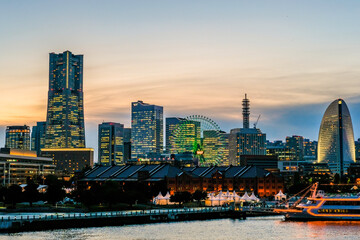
point(65, 113)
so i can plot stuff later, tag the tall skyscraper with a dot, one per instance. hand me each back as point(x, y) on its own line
point(38, 137)
point(17, 137)
point(146, 128)
point(111, 143)
point(65, 112)
point(336, 145)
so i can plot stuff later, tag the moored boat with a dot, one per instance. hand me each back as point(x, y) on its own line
point(322, 207)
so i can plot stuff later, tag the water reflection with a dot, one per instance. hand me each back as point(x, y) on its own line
point(252, 228)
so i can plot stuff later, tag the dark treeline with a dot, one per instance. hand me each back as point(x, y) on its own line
point(14, 193)
point(110, 193)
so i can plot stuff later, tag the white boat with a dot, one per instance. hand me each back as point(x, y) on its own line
point(322, 207)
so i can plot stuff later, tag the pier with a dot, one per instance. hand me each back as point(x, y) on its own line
point(33, 222)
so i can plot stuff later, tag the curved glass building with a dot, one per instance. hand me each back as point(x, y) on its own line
point(336, 138)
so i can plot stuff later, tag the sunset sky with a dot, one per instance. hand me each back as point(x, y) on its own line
point(292, 58)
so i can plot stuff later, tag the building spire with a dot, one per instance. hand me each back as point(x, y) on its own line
point(246, 112)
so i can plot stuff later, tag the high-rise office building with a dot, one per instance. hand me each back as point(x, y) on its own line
point(310, 148)
point(38, 137)
point(251, 141)
point(283, 153)
point(146, 128)
point(246, 140)
point(111, 144)
point(17, 137)
point(296, 145)
point(65, 112)
point(216, 147)
point(181, 135)
point(336, 145)
point(233, 146)
point(171, 124)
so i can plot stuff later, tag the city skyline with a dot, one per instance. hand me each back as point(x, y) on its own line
point(204, 67)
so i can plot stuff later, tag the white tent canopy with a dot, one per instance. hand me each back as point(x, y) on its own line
point(245, 197)
point(218, 200)
point(222, 198)
point(167, 196)
point(254, 198)
point(162, 200)
point(280, 196)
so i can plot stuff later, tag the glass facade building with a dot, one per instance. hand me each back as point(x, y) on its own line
point(17, 137)
point(181, 135)
point(111, 144)
point(310, 148)
point(336, 145)
point(233, 159)
point(70, 160)
point(38, 137)
point(251, 141)
point(146, 128)
point(17, 166)
point(216, 148)
point(65, 113)
point(296, 145)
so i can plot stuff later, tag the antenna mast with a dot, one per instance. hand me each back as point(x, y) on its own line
point(246, 112)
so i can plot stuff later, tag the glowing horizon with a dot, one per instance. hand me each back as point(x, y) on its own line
point(191, 58)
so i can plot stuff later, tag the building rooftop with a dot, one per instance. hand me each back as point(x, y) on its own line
point(158, 172)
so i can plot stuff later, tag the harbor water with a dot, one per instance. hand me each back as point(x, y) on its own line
point(251, 228)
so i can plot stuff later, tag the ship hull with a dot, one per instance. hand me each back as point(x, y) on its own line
point(304, 216)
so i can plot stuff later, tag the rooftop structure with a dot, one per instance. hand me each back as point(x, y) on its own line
point(232, 178)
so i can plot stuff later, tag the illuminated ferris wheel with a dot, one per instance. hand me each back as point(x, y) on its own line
point(202, 137)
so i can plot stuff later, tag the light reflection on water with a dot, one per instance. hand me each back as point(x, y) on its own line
point(252, 228)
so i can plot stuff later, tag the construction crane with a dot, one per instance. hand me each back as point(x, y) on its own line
point(257, 121)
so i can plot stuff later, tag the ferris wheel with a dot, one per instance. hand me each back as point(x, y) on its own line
point(202, 137)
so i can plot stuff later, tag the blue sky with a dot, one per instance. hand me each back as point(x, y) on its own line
point(292, 58)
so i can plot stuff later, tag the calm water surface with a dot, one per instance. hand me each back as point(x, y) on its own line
point(251, 228)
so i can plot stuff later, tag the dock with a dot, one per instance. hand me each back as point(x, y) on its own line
point(119, 218)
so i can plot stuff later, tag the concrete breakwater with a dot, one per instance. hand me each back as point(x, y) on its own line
point(98, 219)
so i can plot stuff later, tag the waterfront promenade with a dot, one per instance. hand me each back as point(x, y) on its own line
point(32, 222)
